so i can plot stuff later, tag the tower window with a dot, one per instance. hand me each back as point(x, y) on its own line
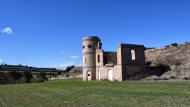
point(83, 46)
point(89, 46)
point(98, 58)
point(84, 60)
point(133, 57)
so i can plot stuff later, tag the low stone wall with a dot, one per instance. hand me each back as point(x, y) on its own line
point(102, 73)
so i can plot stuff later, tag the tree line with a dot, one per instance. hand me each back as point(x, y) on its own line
point(11, 77)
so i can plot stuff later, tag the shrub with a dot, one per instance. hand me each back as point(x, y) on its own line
point(13, 77)
point(69, 68)
point(42, 76)
point(3, 78)
point(174, 44)
point(36, 80)
point(27, 76)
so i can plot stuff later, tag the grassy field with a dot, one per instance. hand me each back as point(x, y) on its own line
point(77, 93)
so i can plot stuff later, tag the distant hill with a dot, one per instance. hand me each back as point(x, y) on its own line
point(176, 56)
point(5, 67)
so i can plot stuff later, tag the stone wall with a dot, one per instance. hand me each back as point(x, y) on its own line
point(102, 72)
point(132, 70)
point(125, 53)
point(101, 65)
point(110, 57)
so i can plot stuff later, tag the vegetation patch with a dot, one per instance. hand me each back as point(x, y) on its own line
point(12, 77)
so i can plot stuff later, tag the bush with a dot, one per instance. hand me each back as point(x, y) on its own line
point(174, 44)
point(3, 78)
point(69, 68)
point(14, 76)
point(42, 76)
point(36, 80)
point(28, 76)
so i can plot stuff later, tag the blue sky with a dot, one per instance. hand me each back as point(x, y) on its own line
point(49, 32)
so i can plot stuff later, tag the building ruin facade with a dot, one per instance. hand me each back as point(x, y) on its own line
point(103, 65)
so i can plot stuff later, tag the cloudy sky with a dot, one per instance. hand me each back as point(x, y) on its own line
point(49, 32)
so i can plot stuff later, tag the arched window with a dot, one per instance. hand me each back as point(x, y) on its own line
point(133, 57)
point(84, 60)
point(83, 46)
point(98, 58)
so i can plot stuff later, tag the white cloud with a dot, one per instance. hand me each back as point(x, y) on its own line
point(75, 57)
point(7, 30)
point(64, 65)
point(1, 60)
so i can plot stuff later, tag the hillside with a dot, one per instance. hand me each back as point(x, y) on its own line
point(5, 67)
point(76, 72)
point(177, 56)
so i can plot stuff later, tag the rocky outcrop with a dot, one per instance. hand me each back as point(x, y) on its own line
point(176, 56)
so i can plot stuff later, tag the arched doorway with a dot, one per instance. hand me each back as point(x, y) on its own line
point(110, 75)
point(89, 74)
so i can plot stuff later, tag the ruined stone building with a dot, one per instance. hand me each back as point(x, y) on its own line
point(101, 65)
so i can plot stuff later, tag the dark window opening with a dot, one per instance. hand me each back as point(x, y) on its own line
point(98, 58)
point(89, 46)
point(83, 47)
point(88, 74)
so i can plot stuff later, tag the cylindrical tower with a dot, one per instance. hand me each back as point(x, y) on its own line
point(90, 44)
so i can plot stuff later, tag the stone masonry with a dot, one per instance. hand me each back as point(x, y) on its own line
point(100, 65)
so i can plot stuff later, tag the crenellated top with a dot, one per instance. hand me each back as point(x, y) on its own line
point(87, 38)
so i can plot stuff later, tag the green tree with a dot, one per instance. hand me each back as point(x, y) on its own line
point(28, 76)
point(69, 68)
point(15, 75)
point(42, 76)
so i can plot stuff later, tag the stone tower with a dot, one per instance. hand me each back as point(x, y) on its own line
point(90, 45)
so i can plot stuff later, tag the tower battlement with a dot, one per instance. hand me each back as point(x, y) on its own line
point(90, 38)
